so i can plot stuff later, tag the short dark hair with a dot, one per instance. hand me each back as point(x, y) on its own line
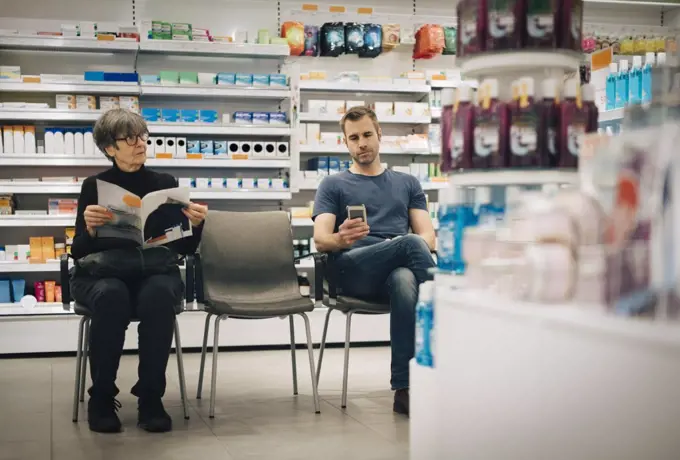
point(357, 113)
point(117, 124)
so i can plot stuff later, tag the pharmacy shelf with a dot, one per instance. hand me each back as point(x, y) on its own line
point(219, 129)
point(26, 267)
point(37, 221)
point(514, 177)
point(49, 115)
point(214, 91)
point(362, 87)
point(335, 118)
point(427, 186)
point(40, 309)
point(610, 115)
point(91, 45)
point(511, 62)
point(225, 194)
point(70, 88)
point(40, 188)
point(214, 49)
point(342, 149)
point(440, 84)
point(41, 160)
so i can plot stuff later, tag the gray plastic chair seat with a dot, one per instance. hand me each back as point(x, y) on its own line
point(346, 303)
point(83, 310)
point(272, 309)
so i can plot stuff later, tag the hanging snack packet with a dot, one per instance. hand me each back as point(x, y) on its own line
point(354, 37)
point(372, 41)
point(311, 41)
point(449, 40)
point(391, 36)
point(294, 31)
point(429, 42)
point(332, 39)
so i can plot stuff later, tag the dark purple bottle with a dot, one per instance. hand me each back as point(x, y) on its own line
point(540, 25)
point(524, 120)
point(569, 15)
point(462, 135)
point(504, 24)
point(470, 39)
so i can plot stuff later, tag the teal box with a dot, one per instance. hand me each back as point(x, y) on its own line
point(193, 146)
point(220, 147)
point(244, 79)
point(333, 165)
point(207, 147)
point(226, 78)
point(260, 80)
point(170, 115)
point(150, 79)
point(278, 80)
point(188, 116)
point(151, 115)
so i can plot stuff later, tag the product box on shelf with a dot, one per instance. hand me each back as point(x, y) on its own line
point(10, 73)
point(193, 147)
point(243, 118)
point(84, 102)
point(129, 103)
point(261, 80)
point(109, 102)
point(244, 79)
point(208, 116)
point(188, 78)
point(188, 115)
point(170, 115)
point(151, 115)
point(220, 148)
point(169, 77)
point(66, 102)
point(260, 118)
point(278, 118)
point(226, 78)
point(278, 80)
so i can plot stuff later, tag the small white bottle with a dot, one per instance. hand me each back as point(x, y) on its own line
point(88, 143)
point(49, 141)
point(19, 147)
point(29, 139)
point(8, 137)
point(78, 140)
point(69, 143)
point(58, 141)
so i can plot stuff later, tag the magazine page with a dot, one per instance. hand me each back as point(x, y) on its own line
point(126, 208)
point(162, 218)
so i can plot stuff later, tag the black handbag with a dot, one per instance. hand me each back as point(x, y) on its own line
point(129, 262)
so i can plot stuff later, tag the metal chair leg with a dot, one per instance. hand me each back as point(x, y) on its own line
point(348, 328)
point(213, 377)
point(310, 350)
point(323, 344)
point(79, 354)
point(204, 351)
point(292, 354)
point(180, 371)
point(84, 357)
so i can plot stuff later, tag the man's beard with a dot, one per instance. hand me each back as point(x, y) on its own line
point(364, 159)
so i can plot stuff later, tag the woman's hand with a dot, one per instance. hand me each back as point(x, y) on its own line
point(96, 216)
point(196, 213)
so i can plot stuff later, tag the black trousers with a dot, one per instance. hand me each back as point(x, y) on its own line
point(114, 303)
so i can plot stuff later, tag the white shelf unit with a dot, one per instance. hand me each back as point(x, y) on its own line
point(363, 87)
point(37, 221)
point(70, 88)
point(26, 267)
point(209, 163)
point(49, 115)
point(427, 186)
point(342, 149)
point(514, 177)
point(214, 49)
point(213, 91)
point(75, 44)
point(335, 118)
point(219, 129)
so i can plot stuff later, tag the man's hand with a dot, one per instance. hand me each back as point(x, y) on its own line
point(352, 231)
point(96, 216)
point(196, 213)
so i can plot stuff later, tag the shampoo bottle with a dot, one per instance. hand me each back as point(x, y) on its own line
point(610, 88)
point(49, 141)
point(424, 343)
point(504, 24)
point(446, 124)
point(635, 81)
point(646, 85)
point(523, 144)
point(540, 23)
point(471, 27)
point(490, 128)
point(588, 92)
point(573, 125)
point(570, 29)
point(622, 85)
point(452, 219)
point(462, 137)
point(549, 123)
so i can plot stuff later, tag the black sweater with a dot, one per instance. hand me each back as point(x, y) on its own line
point(140, 183)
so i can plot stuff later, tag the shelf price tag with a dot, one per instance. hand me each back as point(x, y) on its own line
point(310, 7)
point(365, 11)
point(601, 59)
point(337, 9)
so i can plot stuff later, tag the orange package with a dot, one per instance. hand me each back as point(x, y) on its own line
point(294, 32)
point(430, 42)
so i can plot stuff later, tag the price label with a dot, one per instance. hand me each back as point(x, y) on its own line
point(365, 10)
point(310, 7)
point(337, 9)
point(601, 59)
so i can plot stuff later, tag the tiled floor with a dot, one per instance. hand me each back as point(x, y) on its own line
point(257, 415)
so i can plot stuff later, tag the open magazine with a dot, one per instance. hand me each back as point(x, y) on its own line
point(154, 220)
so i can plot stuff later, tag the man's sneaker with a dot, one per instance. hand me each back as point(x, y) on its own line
point(401, 402)
point(152, 416)
point(101, 414)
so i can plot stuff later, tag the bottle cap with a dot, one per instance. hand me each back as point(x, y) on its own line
point(451, 195)
point(492, 88)
point(482, 195)
point(464, 93)
point(571, 88)
point(448, 96)
point(613, 67)
point(588, 93)
point(514, 88)
point(549, 88)
point(661, 59)
point(650, 58)
point(623, 66)
point(637, 61)
point(526, 86)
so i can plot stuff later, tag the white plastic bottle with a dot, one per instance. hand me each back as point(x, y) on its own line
point(78, 140)
point(49, 141)
point(29, 139)
point(58, 141)
point(88, 143)
point(19, 147)
point(424, 351)
point(69, 143)
point(8, 137)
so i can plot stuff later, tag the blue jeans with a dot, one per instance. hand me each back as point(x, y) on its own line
point(389, 271)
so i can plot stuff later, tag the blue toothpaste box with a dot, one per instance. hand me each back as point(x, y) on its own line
point(319, 164)
point(261, 80)
point(243, 118)
point(278, 118)
point(260, 118)
point(150, 114)
point(188, 116)
point(170, 115)
point(94, 76)
point(244, 79)
point(278, 80)
point(226, 78)
point(151, 79)
point(333, 165)
point(207, 147)
point(221, 148)
point(208, 116)
point(193, 146)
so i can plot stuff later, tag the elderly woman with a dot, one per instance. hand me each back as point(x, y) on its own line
point(122, 135)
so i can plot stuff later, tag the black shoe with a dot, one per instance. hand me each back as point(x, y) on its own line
point(101, 415)
point(152, 416)
point(401, 402)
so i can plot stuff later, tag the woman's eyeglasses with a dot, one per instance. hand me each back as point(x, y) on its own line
point(132, 140)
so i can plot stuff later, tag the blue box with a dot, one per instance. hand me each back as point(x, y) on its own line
point(207, 148)
point(188, 116)
point(260, 118)
point(129, 77)
point(5, 291)
point(208, 116)
point(244, 79)
point(18, 289)
point(170, 115)
point(94, 76)
point(333, 165)
point(193, 146)
point(278, 118)
point(319, 164)
point(261, 79)
point(151, 79)
point(243, 118)
point(150, 114)
point(225, 78)
point(220, 148)
point(345, 164)
point(278, 80)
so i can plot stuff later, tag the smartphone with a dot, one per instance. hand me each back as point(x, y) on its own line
point(357, 212)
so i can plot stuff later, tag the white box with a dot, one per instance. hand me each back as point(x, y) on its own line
point(282, 149)
point(171, 146)
point(129, 102)
point(159, 146)
point(248, 183)
point(246, 147)
point(424, 173)
point(66, 102)
point(335, 107)
point(233, 183)
point(302, 133)
point(202, 182)
point(270, 149)
point(403, 109)
point(233, 148)
point(313, 133)
point(316, 106)
point(331, 139)
point(421, 109)
point(218, 182)
point(383, 109)
point(151, 146)
point(109, 102)
point(185, 182)
point(258, 149)
point(181, 147)
point(85, 102)
point(277, 184)
point(350, 104)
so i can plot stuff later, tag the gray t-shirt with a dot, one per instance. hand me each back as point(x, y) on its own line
point(387, 197)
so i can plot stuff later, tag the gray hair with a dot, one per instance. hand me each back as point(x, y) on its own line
point(117, 124)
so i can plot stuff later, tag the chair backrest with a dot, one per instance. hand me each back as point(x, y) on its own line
point(247, 257)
